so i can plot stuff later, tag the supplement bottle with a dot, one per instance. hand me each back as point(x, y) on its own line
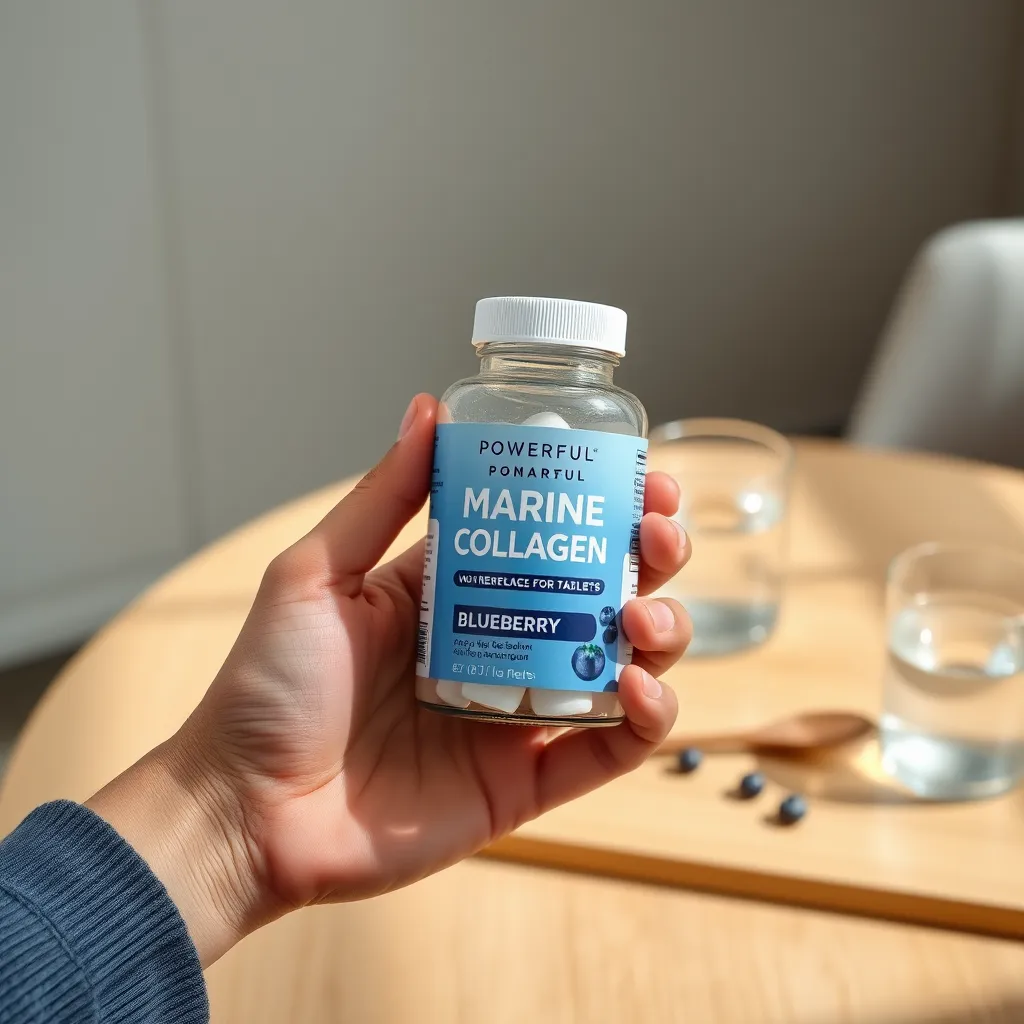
point(533, 539)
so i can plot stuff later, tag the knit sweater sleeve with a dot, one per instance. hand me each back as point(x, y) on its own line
point(88, 934)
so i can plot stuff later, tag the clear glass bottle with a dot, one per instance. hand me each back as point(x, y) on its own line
point(554, 383)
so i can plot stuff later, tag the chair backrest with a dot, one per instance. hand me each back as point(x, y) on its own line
point(949, 372)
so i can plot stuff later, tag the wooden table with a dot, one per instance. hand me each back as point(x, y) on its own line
point(495, 942)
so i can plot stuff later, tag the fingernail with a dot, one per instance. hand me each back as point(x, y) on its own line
point(652, 688)
point(661, 616)
point(682, 533)
point(407, 420)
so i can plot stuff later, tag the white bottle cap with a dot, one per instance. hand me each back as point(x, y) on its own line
point(557, 321)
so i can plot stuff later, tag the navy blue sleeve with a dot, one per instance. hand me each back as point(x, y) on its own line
point(87, 932)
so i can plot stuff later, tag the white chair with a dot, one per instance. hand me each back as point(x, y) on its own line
point(949, 372)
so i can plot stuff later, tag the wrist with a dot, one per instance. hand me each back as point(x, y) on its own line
point(182, 817)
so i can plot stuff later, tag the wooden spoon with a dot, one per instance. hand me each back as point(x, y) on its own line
point(803, 734)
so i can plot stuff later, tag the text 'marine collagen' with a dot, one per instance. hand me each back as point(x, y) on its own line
point(535, 506)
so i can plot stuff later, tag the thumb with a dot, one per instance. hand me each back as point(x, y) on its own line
point(353, 536)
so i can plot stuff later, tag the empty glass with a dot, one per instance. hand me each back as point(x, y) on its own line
point(953, 703)
point(734, 479)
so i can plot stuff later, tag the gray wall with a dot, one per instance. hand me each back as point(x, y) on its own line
point(243, 233)
point(91, 499)
point(748, 180)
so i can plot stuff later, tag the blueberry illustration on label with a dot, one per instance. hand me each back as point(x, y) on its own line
point(611, 634)
point(607, 615)
point(588, 661)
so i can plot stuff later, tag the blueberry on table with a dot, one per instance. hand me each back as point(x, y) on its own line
point(751, 785)
point(607, 615)
point(610, 635)
point(792, 809)
point(689, 760)
point(588, 662)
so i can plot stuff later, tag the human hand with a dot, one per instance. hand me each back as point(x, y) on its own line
point(309, 774)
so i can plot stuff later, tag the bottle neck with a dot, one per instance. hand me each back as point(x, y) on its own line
point(546, 361)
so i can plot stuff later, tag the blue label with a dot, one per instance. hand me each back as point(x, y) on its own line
point(532, 550)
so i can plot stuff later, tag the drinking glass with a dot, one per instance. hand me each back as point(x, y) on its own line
point(952, 726)
point(734, 482)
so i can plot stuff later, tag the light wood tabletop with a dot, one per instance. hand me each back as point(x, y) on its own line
point(867, 846)
point(495, 942)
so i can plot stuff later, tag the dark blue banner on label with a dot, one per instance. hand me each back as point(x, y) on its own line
point(527, 582)
point(532, 625)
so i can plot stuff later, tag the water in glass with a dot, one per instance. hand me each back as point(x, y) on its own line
point(731, 586)
point(733, 483)
point(953, 726)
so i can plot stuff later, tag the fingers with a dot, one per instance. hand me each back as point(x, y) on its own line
point(659, 630)
point(664, 550)
point(661, 494)
point(581, 761)
point(353, 536)
point(575, 763)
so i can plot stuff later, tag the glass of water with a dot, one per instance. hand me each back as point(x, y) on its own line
point(952, 724)
point(734, 482)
